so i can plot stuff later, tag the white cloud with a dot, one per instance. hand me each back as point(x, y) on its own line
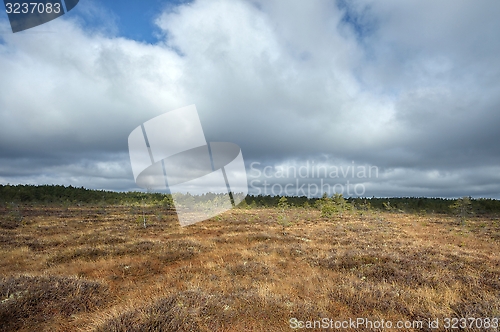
point(406, 85)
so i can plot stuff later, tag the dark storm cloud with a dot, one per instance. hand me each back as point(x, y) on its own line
point(409, 87)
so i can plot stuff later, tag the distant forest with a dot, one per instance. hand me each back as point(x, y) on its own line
point(57, 194)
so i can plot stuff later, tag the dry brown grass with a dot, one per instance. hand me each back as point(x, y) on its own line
point(98, 269)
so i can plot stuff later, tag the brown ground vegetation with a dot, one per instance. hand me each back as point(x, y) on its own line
point(99, 269)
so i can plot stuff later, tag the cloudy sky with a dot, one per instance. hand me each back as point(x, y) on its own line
point(410, 89)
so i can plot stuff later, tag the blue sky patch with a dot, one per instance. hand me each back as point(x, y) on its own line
point(136, 18)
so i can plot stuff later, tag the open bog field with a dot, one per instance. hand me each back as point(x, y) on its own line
point(98, 269)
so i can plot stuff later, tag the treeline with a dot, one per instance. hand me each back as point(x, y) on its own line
point(57, 194)
point(394, 204)
point(49, 194)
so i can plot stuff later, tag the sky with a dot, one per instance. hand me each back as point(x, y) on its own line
point(363, 97)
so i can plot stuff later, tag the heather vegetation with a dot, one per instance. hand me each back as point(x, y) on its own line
point(91, 265)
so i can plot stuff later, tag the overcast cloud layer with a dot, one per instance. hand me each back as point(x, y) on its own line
point(409, 87)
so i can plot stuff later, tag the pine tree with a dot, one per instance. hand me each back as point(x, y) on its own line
point(462, 208)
